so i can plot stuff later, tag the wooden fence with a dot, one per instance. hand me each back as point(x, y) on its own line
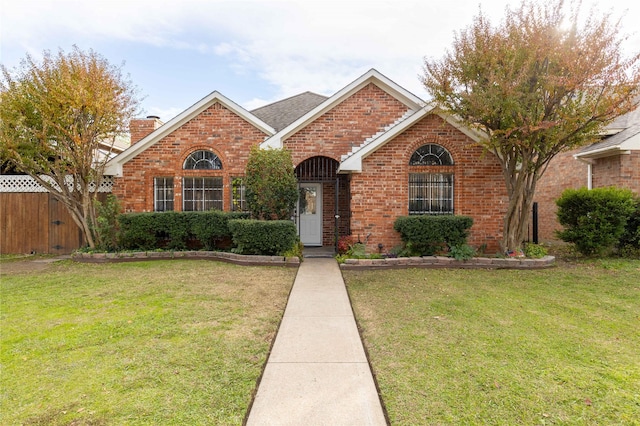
point(33, 221)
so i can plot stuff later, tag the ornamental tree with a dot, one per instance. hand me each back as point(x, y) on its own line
point(271, 184)
point(542, 81)
point(59, 120)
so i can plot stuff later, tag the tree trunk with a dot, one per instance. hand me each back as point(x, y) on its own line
point(521, 183)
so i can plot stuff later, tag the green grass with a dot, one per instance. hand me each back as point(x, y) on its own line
point(557, 346)
point(162, 342)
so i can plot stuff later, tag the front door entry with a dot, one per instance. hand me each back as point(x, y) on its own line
point(310, 214)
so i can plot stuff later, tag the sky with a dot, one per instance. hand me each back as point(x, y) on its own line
point(254, 51)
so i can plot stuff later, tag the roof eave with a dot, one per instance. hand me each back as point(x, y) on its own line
point(631, 144)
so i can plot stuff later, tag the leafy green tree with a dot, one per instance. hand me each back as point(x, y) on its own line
point(59, 119)
point(271, 185)
point(542, 81)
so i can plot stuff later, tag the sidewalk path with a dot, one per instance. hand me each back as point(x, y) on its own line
point(317, 373)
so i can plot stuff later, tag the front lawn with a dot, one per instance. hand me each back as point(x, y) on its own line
point(161, 342)
point(556, 346)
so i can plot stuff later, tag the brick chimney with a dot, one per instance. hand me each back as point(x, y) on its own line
point(141, 127)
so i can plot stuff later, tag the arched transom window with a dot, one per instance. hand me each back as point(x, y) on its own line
point(200, 193)
point(202, 160)
point(431, 155)
point(431, 190)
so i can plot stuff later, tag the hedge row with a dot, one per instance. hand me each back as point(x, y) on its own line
point(175, 230)
point(267, 237)
point(426, 235)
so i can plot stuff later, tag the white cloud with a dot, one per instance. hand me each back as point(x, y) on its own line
point(288, 46)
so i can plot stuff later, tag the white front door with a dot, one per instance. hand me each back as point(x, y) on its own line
point(310, 214)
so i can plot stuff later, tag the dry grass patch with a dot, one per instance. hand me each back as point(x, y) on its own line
point(161, 342)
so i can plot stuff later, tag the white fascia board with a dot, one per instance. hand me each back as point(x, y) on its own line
point(372, 76)
point(476, 135)
point(631, 144)
point(354, 162)
point(114, 166)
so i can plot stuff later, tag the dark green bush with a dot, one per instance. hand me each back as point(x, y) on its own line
point(273, 237)
point(211, 227)
point(426, 235)
point(174, 230)
point(138, 231)
point(594, 220)
point(630, 239)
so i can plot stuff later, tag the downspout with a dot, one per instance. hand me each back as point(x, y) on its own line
point(337, 215)
point(589, 163)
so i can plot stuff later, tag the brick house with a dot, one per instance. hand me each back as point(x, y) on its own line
point(364, 156)
point(613, 161)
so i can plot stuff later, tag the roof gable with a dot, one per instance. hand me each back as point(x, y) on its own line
point(352, 162)
point(372, 76)
point(114, 166)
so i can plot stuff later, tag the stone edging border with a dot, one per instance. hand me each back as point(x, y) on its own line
point(449, 262)
point(349, 264)
point(238, 259)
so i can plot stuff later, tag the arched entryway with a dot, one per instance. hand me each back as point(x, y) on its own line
point(323, 207)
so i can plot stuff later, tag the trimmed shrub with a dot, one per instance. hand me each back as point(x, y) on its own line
point(138, 231)
point(273, 237)
point(630, 240)
point(211, 227)
point(174, 230)
point(426, 235)
point(594, 220)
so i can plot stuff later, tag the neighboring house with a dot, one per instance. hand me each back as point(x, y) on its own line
point(613, 161)
point(364, 156)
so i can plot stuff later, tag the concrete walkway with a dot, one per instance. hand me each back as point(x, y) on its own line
point(317, 373)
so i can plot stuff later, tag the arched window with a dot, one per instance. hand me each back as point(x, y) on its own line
point(431, 155)
point(202, 160)
point(200, 193)
point(431, 192)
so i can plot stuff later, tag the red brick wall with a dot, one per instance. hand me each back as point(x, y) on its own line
point(622, 171)
point(606, 171)
point(141, 127)
point(334, 133)
point(216, 129)
point(563, 172)
point(630, 171)
point(380, 192)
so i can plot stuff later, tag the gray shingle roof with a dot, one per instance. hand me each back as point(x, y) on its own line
point(282, 113)
point(628, 125)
